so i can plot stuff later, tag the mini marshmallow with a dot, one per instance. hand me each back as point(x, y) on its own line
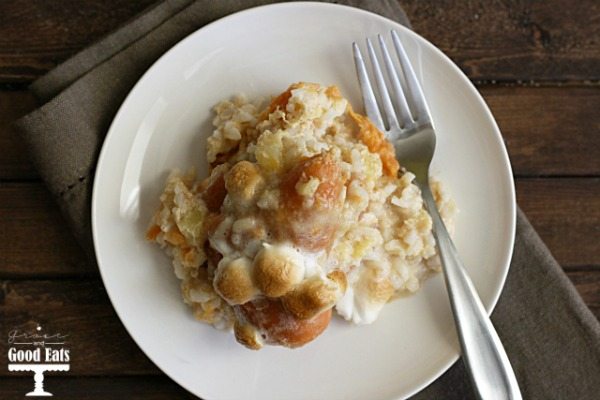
point(315, 295)
point(233, 280)
point(244, 181)
point(247, 335)
point(277, 269)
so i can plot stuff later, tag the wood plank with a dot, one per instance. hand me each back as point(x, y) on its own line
point(566, 214)
point(513, 40)
point(510, 40)
point(548, 131)
point(34, 240)
point(99, 344)
point(68, 387)
point(54, 31)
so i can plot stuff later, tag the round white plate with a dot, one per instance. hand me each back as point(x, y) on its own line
point(163, 124)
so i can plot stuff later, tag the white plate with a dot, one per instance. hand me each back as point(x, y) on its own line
point(164, 123)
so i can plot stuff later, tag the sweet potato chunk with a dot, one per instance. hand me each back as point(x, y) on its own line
point(280, 327)
point(310, 221)
point(244, 181)
point(376, 142)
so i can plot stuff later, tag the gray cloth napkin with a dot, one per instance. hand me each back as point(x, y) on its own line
point(551, 337)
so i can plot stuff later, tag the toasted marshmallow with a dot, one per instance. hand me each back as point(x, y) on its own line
point(277, 269)
point(247, 335)
point(315, 295)
point(233, 280)
point(244, 181)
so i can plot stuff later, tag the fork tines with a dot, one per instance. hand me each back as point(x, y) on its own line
point(395, 105)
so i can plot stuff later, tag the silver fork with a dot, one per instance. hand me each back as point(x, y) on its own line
point(414, 143)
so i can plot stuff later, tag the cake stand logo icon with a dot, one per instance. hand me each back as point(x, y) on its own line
point(37, 352)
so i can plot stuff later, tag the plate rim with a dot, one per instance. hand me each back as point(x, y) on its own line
point(292, 5)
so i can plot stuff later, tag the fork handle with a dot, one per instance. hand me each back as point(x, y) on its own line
point(487, 363)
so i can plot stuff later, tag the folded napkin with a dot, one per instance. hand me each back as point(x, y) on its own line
point(551, 337)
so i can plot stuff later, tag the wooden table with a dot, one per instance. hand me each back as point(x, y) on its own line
point(537, 64)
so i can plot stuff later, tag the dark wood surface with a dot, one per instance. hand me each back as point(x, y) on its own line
point(537, 64)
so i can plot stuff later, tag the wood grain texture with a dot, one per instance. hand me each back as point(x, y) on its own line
point(35, 241)
point(566, 214)
point(508, 40)
point(65, 386)
point(548, 131)
point(99, 344)
point(36, 35)
point(514, 40)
